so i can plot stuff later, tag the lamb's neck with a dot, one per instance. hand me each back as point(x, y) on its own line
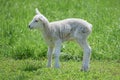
point(46, 29)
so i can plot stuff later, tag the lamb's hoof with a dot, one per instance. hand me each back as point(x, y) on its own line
point(49, 66)
point(56, 66)
point(85, 69)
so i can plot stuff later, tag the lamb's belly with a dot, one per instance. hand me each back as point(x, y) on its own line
point(67, 38)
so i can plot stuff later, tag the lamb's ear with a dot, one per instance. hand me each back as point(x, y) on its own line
point(37, 11)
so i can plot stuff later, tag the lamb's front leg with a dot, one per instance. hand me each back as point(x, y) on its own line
point(49, 54)
point(86, 55)
point(86, 58)
point(57, 53)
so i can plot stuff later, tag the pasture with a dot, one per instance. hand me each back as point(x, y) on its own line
point(23, 51)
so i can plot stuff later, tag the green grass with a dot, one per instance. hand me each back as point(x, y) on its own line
point(36, 70)
point(23, 52)
point(104, 15)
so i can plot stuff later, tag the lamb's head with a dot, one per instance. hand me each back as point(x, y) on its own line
point(38, 20)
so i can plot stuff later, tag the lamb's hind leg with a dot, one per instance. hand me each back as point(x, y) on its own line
point(86, 56)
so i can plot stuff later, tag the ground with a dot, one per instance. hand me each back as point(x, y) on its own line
point(29, 69)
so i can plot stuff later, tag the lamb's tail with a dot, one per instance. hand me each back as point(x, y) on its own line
point(90, 28)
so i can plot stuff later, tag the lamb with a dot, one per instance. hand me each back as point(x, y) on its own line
point(55, 33)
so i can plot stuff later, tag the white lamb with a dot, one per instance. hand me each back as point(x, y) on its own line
point(57, 32)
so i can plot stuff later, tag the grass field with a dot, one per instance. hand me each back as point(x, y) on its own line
point(23, 52)
point(29, 69)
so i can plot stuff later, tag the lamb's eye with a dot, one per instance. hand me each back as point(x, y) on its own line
point(36, 20)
